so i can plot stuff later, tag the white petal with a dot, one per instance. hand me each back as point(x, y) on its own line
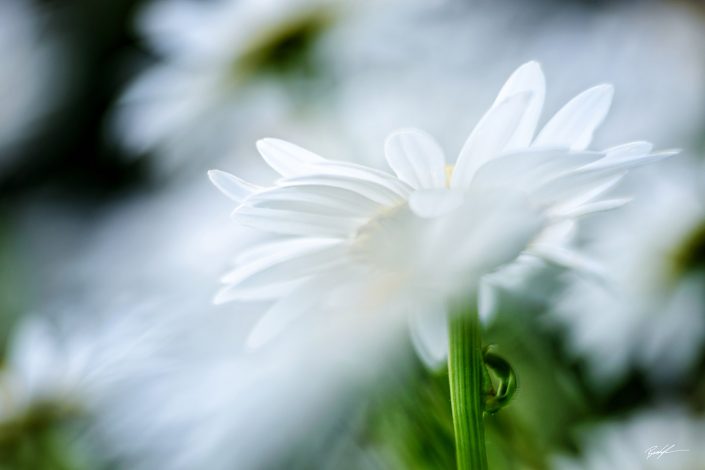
point(428, 326)
point(232, 186)
point(558, 234)
point(575, 186)
point(630, 149)
point(570, 259)
point(574, 125)
point(416, 158)
point(529, 168)
point(489, 138)
point(323, 200)
point(284, 313)
point(286, 158)
point(592, 208)
point(297, 222)
point(430, 203)
point(282, 248)
point(625, 162)
point(371, 190)
point(589, 194)
point(528, 77)
point(337, 168)
point(284, 266)
point(263, 293)
point(494, 228)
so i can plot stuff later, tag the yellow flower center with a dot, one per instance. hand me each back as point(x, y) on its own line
point(449, 174)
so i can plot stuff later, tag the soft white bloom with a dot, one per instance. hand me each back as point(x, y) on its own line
point(344, 236)
point(214, 407)
point(464, 47)
point(653, 439)
point(153, 243)
point(70, 362)
point(221, 70)
point(193, 399)
point(650, 315)
point(30, 73)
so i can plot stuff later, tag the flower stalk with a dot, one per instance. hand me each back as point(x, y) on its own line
point(465, 373)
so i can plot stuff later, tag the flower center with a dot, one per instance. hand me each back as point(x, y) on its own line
point(383, 242)
point(285, 50)
point(449, 174)
point(690, 255)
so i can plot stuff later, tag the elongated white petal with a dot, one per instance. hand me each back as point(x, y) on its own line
point(559, 233)
point(575, 185)
point(628, 162)
point(569, 259)
point(490, 229)
point(574, 125)
point(282, 248)
point(233, 187)
point(286, 158)
point(284, 313)
point(416, 158)
point(489, 138)
point(591, 208)
point(586, 195)
point(428, 325)
point(326, 199)
point(371, 190)
point(287, 251)
point(262, 293)
point(630, 149)
point(353, 170)
point(295, 222)
point(528, 77)
point(430, 203)
point(528, 169)
point(275, 270)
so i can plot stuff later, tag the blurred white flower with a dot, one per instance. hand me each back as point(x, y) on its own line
point(217, 408)
point(194, 398)
point(30, 73)
point(652, 439)
point(70, 362)
point(343, 235)
point(435, 54)
point(650, 316)
point(221, 70)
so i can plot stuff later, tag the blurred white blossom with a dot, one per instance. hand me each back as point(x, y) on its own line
point(217, 407)
point(195, 398)
point(433, 66)
point(70, 362)
point(650, 315)
point(348, 237)
point(658, 438)
point(224, 66)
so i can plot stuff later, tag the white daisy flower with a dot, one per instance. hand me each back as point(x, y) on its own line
point(344, 235)
point(652, 439)
point(222, 65)
point(651, 316)
point(71, 362)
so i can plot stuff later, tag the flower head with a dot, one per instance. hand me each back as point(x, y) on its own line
point(409, 241)
point(221, 66)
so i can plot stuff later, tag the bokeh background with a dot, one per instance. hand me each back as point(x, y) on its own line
point(112, 240)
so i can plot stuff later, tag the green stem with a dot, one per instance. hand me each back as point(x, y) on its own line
point(465, 373)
